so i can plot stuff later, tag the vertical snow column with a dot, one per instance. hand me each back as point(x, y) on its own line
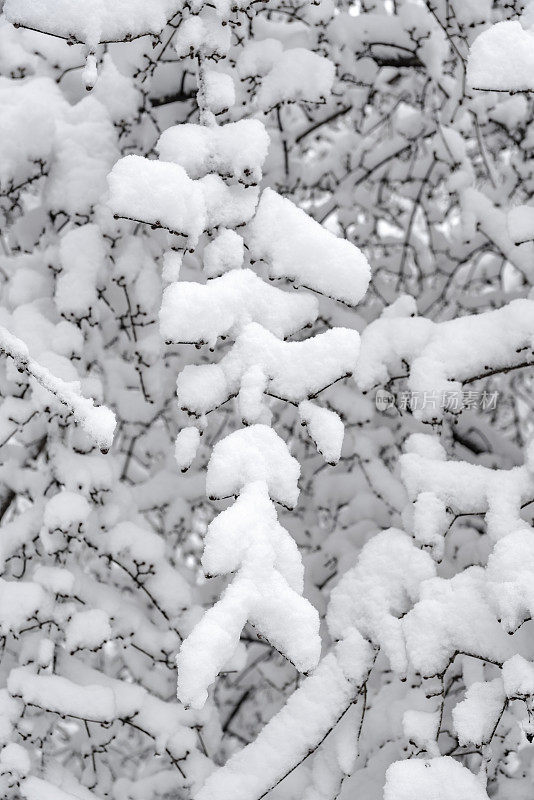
point(204, 191)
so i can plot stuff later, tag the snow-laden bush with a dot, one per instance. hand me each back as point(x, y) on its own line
point(266, 322)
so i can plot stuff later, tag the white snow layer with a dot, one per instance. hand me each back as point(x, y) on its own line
point(266, 591)
point(502, 58)
point(200, 313)
point(441, 778)
point(93, 21)
point(296, 247)
point(301, 725)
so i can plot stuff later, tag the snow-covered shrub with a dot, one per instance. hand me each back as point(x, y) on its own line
point(227, 570)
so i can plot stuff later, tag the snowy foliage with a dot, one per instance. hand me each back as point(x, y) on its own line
point(266, 455)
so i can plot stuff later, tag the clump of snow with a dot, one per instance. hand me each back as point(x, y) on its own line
point(296, 247)
point(267, 588)
point(325, 428)
point(297, 75)
point(27, 106)
point(236, 150)
point(202, 36)
point(253, 454)
point(441, 355)
point(502, 58)
point(296, 371)
point(65, 511)
point(186, 446)
point(226, 252)
point(218, 91)
point(373, 595)
point(172, 264)
point(157, 192)
point(431, 647)
point(87, 629)
point(94, 23)
point(421, 728)
point(55, 579)
point(200, 313)
point(518, 677)
point(15, 760)
point(20, 601)
point(509, 572)
point(476, 717)
point(441, 778)
point(82, 257)
point(257, 58)
point(59, 694)
point(521, 223)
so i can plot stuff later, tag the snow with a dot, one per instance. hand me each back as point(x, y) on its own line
point(298, 248)
point(518, 677)
point(87, 629)
point(96, 22)
point(476, 716)
point(303, 722)
point(257, 58)
point(201, 313)
point(218, 91)
point(236, 150)
point(421, 728)
point(463, 487)
point(431, 647)
point(226, 252)
point(227, 206)
point(432, 779)
point(266, 591)
point(508, 575)
point(65, 511)
point(85, 149)
point(116, 91)
point(373, 595)
point(325, 428)
point(27, 106)
point(15, 759)
point(202, 35)
point(21, 601)
point(253, 454)
point(89, 72)
point(430, 522)
point(441, 355)
point(186, 446)
point(521, 224)
point(296, 370)
point(171, 266)
point(58, 694)
point(297, 75)
point(142, 545)
point(37, 789)
point(82, 257)
point(55, 580)
point(157, 192)
point(502, 58)
point(251, 398)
